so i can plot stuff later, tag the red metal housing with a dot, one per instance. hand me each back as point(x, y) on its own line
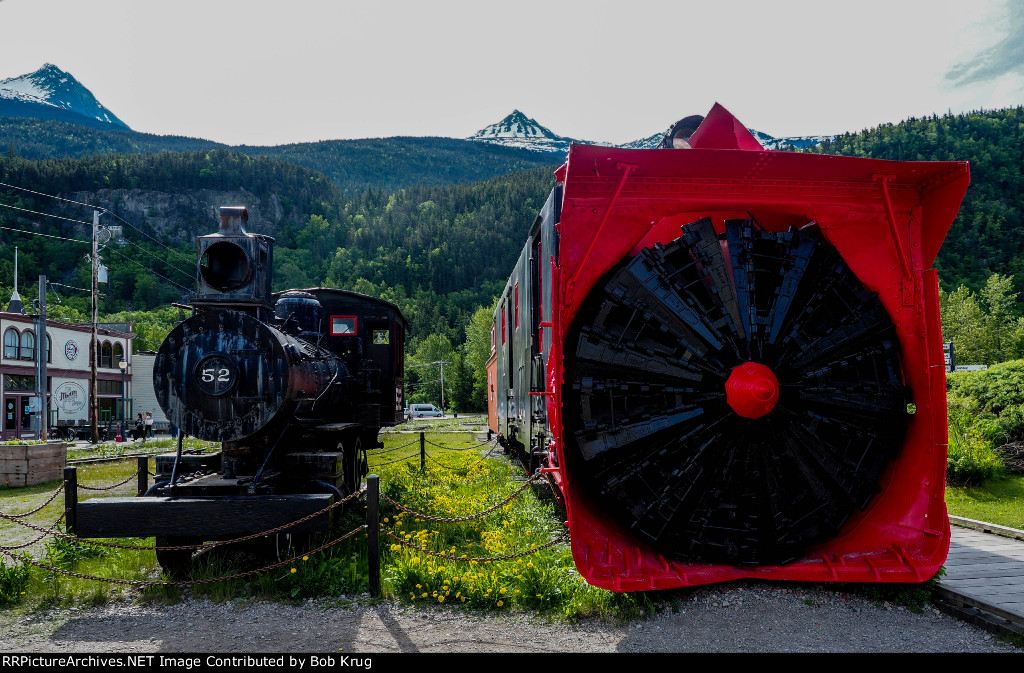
point(887, 220)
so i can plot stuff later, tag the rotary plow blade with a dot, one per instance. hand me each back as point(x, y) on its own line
point(733, 401)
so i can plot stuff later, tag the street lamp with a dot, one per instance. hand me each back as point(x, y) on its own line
point(123, 366)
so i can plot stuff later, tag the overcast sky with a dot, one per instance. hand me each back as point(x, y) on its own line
point(262, 72)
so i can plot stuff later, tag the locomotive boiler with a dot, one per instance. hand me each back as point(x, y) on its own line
point(728, 361)
point(295, 386)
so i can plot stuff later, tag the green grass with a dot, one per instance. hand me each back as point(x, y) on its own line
point(459, 483)
point(999, 501)
point(454, 484)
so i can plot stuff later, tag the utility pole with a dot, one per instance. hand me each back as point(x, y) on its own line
point(95, 323)
point(442, 384)
point(44, 403)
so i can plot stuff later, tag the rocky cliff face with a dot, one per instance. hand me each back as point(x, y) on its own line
point(181, 216)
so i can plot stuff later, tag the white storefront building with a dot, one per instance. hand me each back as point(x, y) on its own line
point(68, 352)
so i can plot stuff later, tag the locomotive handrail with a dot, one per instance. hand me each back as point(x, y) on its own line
point(211, 580)
point(429, 517)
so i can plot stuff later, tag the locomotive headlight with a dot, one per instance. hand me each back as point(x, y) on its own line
point(225, 266)
point(216, 375)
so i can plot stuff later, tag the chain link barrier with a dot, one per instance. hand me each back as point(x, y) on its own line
point(440, 519)
point(207, 545)
point(48, 531)
point(397, 460)
point(52, 530)
point(179, 583)
point(111, 487)
point(479, 559)
point(51, 499)
point(394, 448)
point(464, 448)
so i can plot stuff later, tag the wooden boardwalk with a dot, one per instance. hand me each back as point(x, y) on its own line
point(984, 578)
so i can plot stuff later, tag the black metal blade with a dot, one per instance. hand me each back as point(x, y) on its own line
point(648, 428)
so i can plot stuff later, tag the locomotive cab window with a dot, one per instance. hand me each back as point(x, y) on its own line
point(381, 337)
point(343, 325)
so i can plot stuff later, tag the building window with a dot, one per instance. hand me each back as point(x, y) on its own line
point(19, 382)
point(108, 387)
point(105, 355)
point(49, 349)
point(118, 353)
point(28, 345)
point(11, 341)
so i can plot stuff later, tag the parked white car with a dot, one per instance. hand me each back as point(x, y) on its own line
point(424, 411)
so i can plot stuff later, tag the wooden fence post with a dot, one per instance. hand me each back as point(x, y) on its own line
point(423, 452)
point(373, 532)
point(70, 498)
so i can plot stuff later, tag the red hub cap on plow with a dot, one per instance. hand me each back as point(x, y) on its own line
point(752, 390)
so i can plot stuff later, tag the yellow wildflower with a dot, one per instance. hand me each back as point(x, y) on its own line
point(293, 569)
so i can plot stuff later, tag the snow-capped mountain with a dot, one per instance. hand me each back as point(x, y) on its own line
point(51, 93)
point(518, 130)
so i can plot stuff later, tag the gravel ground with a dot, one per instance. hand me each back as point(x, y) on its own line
point(740, 617)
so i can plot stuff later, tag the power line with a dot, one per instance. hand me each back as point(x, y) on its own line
point(151, 254)
point(158, 242)
point(59, 198)
point(36, 233)
point(35, 212)
point(148, 269)
point(93, 207)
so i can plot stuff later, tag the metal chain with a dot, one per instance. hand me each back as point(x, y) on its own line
point(397, 460)
point(454, 467)
point(467, 448)
point(143, 583)
point(479, 559)
point(428, 517)
point(394, 448)
point(55, 494)
point(112, 486)
point(218, 543)
point(47, 532)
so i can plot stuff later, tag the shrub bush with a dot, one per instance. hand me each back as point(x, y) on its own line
point(986, 411)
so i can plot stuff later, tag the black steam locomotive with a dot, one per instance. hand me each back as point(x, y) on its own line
point(294, 385)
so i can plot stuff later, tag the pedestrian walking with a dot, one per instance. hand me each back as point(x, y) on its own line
point(149, 424)
point(140, 428)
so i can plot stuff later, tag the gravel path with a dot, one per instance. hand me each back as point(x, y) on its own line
point(740, 617)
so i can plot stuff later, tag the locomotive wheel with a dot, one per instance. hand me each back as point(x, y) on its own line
point(177, 563)
point(352, 450)
point(733, 403)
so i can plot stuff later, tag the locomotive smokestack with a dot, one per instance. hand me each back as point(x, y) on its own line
point(232, 218)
